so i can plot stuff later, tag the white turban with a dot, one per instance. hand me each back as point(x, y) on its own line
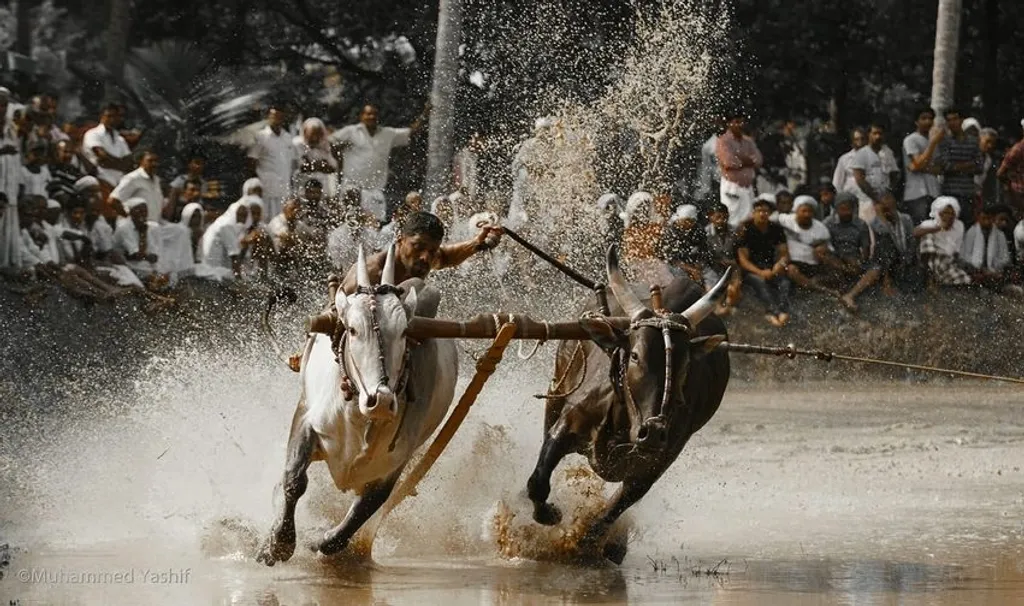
point(633, 204)
point(686, 211)
point(190, 209)
point(608, 200)
point(51, 203)
point(131, 203)
point(542, 123)
point(941, 203)
point(249, 185)
point(804, 201)
point(86, 182)
point(253, 201)
point(313, 123)
point(971, 123)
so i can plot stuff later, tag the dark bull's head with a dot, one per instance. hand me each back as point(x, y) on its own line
point(654, 356)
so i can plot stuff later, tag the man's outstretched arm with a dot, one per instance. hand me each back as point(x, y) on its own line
point(452, 255)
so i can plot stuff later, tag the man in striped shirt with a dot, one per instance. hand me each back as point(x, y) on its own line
point(961, 159)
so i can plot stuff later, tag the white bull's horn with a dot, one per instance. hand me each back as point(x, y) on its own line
point(630, 303)
point(388, 275)
point(362, 275)
point(696, 313)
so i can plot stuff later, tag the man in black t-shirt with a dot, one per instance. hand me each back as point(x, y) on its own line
point(764, 258)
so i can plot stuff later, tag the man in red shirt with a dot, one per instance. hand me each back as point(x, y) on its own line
point(1011, 173)
point(738, 159)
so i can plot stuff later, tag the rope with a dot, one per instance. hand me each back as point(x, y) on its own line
point(790, 351)
point(519, 353)
point(565, 373)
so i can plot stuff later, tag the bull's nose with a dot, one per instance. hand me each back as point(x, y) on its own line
point(371, 401)
point(652, 434)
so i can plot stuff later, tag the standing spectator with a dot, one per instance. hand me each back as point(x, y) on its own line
point(365, 148)
point(10, 182)
point(271, 158)
point(35, 177)
point(921, 183)
point(722, 252)
point(738, 159)
point(986, 185)
point(144, 183)
point(870, 178)
point(942, 239)
point(961, 160)
point(107, 150)
point(763, 256)
point(313, 156)
point(843, 174)
point(466, 167)
point(1011, 173)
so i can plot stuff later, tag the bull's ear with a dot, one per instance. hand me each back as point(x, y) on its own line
point(705, 345)
point(606, 336)
point(409, 302)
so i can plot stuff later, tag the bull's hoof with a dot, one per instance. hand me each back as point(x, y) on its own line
point(272, 552)
point(615, 551)
point(546, 514)
point(331, 545)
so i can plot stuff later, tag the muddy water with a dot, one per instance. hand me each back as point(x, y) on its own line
point(892, 494)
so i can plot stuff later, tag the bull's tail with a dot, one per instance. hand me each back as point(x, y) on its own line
point(289, 296)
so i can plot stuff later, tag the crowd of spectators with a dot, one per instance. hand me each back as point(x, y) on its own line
point(86, 208)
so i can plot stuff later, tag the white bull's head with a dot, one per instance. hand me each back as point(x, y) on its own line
point(374, 352)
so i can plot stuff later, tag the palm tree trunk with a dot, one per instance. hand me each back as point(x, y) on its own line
point(441, 141)
point(947, 42)
point(117, 42)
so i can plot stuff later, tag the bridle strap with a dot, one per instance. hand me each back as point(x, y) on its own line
point(341, 336)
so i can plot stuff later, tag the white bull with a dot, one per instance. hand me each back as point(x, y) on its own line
point(355, 415)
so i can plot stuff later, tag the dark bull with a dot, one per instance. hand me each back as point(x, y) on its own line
point(642, 393)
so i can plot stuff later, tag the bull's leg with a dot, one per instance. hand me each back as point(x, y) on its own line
point(631, 491)
point(367, 504)
point(557, 444)
point(281, 545)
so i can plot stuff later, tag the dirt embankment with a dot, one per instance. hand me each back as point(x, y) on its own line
point(61, 337)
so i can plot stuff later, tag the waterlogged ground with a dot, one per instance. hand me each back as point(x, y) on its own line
point(892, 494)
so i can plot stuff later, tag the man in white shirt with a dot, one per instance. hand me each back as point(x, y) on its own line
point(870, 173)
point(104, 147)
point(809, 243)
point(134, 238)
point(271, 158)
point(844, 172)
point(142, 183)
point(365, 149)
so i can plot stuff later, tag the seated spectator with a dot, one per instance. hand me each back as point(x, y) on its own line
point(826, 201)
point(255, 239)
point(851, 240)
point(942, 239)
point(986, 252)
point(609, 206)
point(413, 204)
point(640, 241)
point(35, 177)
point(895, 249)
point(66, 169)
point(1018, 241)
point(722, 253)
point(194, 219)
point(100, 232)
point(134, 238)
point(192, 194)
point(35, 242)
point(222, 243)
point(809, 245)
point(783, 201)
point(319, 212)
point(195, 173)
point(292, 237)
point(684, 246)
point(763, 256)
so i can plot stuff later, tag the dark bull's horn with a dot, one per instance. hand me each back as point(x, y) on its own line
point(706, 304)
point(627, 299)
point(485, 326)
